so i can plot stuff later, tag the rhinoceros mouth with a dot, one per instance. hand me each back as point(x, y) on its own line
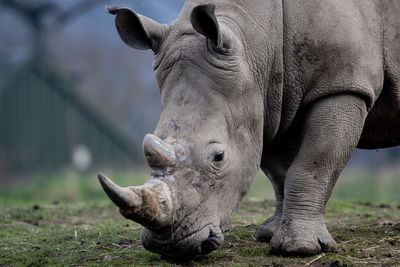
point(198, 242)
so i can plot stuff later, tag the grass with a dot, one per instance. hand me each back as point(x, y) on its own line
point(93, 233)
point(377, 186)
point(66, 219)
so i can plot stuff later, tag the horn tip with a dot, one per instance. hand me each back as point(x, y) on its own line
point(108, 185)
point(115, 192)
point(113, 9)
point(102, 178)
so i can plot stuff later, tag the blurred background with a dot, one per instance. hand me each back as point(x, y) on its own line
point(74, 99)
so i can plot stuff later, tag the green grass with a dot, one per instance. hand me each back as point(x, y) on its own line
point(378, 186)
point(66, 219)
point(93, 233)
point(381, 185)
point(64, 187)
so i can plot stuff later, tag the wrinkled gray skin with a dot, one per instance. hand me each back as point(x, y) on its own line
point(292, 87)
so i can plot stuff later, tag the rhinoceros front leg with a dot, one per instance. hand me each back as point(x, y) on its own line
point(331, 131)
point(275, 162)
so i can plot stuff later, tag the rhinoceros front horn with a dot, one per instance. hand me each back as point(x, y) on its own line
point(150, 204)
point(159, 155)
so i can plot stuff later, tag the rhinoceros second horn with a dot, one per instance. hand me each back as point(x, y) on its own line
point(158, 154)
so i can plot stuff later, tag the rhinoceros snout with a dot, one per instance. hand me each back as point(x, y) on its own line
point(200, 242)
point(209, 245)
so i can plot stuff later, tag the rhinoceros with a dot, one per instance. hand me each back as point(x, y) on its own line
point(291, 87)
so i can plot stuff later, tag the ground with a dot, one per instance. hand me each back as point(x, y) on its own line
point(94, 234)
point(66, 219)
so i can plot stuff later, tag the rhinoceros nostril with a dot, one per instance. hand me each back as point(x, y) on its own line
point(211, 244)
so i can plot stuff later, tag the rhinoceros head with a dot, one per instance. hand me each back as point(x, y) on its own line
point(207, 146)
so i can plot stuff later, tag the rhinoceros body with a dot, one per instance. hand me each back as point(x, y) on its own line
point(291, 87)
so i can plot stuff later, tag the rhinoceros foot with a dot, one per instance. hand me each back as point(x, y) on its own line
point(302, 239)
point(266, 230)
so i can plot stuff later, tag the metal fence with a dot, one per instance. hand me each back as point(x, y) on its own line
point(43, 124)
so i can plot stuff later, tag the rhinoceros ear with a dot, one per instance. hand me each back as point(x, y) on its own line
point(205, 22)
point(136, 30)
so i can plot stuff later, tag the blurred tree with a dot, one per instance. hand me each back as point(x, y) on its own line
point(42, 14)
point(89, 52)
point(42, 119)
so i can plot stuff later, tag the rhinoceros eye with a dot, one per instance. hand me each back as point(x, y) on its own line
point(219, 156)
